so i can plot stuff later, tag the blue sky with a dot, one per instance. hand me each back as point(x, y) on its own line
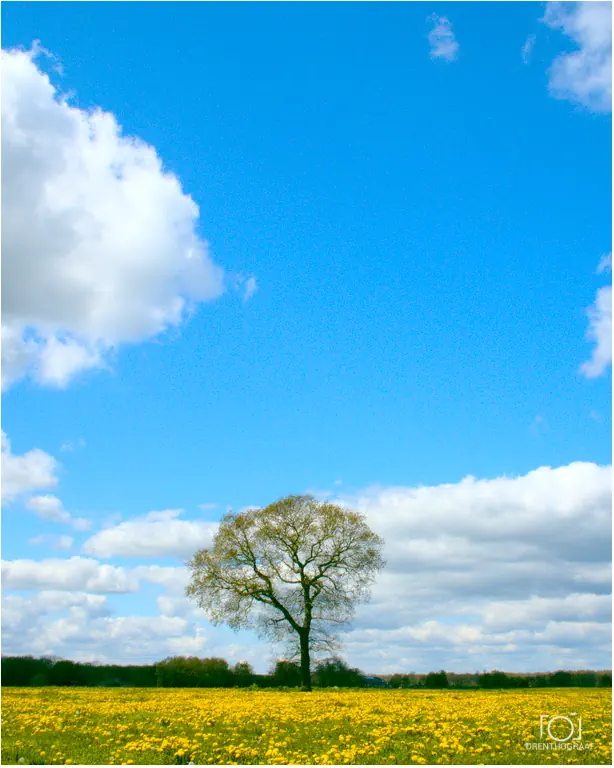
point(407, 246)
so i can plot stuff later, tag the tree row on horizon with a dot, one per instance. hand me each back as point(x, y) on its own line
point(193, 672)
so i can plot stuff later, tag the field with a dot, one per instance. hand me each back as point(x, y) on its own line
point(133, 726)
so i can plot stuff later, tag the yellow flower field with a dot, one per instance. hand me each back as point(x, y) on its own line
point(135, 726)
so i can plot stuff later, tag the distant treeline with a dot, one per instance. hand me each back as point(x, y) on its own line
point(192, 672)
point(495, 679)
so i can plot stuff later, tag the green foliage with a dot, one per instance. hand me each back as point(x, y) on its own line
point(561, 679)
point(21, 671)
point(286, 673)
point(243, 674)
point(436, 680)
point(334, 672)
point(26, 670)
point(499, 680)
point(303, 564)
point(192, 672)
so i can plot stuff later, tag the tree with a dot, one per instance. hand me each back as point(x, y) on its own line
point(296, 568)
point(243, 674)
point(494, 679)
point(192, 672)
point(561, 679)
point(215, 673)
point(286, 673)
point(436, 680)
point(585, 679)
point(335, 672)
point(179, 672)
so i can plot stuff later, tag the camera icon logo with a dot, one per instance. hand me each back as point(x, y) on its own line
point(561, 728)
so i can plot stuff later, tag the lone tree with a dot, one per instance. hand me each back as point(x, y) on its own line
point(294, 570)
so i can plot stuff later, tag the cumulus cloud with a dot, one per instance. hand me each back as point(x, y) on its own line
point(82, 634)
point(156, 534)
point(441, 39)
point(600, 327)
point(25, 473)
point(583, 76)
point(50, 508)
point(80, 627)
point(173, 601)
point(24, 618)
point(509, 572)
point(539, 611)
point(51, 601)
point(173, 578)
point(462, 556)
point(75, 573)
point(99, 242)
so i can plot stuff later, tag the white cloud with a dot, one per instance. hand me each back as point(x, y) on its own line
point(75, 573)
point(48, 508)
point(99, 242)
point(605, 265)
point(174, 578)
point(510, 572)
point(441, 39)
point(583, 76)
point(57, 542)
point(174, 606)
point(68, 446)
point(539, 611)
point(173, 602)
point(251, 286)
point(25, 473)
point(24, 618)
point(527, 48)
point(540, 509)
point(81, 523)
point(600, 327)
point(83, 632)
point(156, 534)
point(462, 556)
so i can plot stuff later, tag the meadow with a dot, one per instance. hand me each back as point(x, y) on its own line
point(136, 726)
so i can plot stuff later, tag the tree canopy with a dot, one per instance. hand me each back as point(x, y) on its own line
point(293, 570)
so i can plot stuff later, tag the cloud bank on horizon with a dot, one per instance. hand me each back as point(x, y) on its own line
point(103, 251)
point(513, 571)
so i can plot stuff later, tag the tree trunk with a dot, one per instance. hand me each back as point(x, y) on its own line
point(305, 660)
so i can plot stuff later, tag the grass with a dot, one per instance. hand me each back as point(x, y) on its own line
point(137, 726)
